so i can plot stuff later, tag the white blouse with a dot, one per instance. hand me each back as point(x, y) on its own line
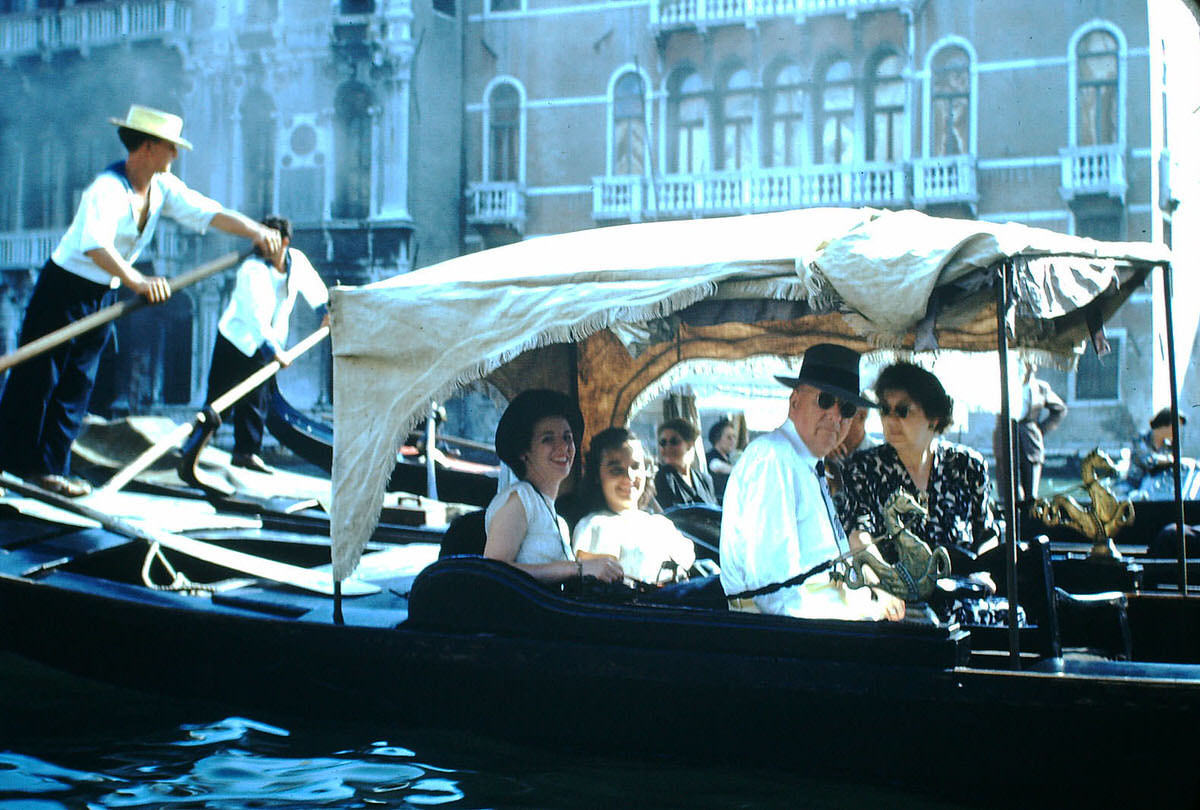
point(641, 542)
point(545, 533)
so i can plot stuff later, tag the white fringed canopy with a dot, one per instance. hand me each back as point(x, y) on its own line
point(400, 343)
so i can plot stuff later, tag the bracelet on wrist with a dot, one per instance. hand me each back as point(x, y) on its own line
point(579, 568)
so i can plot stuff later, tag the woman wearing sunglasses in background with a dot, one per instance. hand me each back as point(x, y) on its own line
point(950, 479)
point(679, 480)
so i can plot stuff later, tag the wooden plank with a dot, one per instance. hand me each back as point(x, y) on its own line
point(284, 573)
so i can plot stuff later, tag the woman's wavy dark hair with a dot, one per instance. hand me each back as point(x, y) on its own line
point(923, 387)
point(686, 430)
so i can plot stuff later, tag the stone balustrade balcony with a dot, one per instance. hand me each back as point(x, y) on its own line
point(1093, 171)
point(91, 25)
point(666, 15)
point(634, 198)
point(496, 203)
point(30, 249)
point(944, 180)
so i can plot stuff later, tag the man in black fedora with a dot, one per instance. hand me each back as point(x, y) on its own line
point(779, 520)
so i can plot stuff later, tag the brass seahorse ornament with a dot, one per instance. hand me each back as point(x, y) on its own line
point(915, 574)
point(1101, 519)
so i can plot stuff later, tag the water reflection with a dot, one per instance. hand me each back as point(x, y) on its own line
point(66, 743)
point(229, 768)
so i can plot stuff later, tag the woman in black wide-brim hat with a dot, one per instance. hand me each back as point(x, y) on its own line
point(537, 438)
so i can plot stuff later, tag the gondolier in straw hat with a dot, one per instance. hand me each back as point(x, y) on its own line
point(779, 519)
point(45, 399)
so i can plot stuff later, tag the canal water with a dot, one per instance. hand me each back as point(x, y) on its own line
point(71, 743)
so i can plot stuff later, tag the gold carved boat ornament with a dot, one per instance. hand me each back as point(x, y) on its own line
point(915, 574)
point(1101, 518)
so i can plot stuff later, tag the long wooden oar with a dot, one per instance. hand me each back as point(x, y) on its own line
point(172, 439)
point(305, 578)
point(73, 330)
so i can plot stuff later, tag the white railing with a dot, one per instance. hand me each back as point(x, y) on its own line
point(27, 249)
point(634, 197)
point(702, 13)
point(949, 179)
point(1093, 170)
point(496, 204)
point(90, 25)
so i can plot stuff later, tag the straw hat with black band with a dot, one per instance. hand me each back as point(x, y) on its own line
point(154, 122)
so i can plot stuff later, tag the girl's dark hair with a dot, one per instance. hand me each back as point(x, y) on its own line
point(591, 493)
point(686, 430)
point(514, 434)
point(923, 387)
point(714, 432)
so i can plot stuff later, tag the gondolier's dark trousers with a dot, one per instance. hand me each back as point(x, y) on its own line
point(46, 398)
point(229, 367)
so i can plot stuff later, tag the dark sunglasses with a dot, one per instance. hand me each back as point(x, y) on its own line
point(826, 400)
point(672, 440)
point(902, 410)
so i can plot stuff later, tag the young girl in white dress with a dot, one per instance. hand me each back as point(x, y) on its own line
point(649, 547)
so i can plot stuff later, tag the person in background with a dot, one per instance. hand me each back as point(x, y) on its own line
point(649, 547)
point(1042, 411)
point(1151, 452)
point(537, 438)
point(779, 520)
point(678, 480)
point(46, 398)
point(951, 480)
point(253, 331)
point(722, 438)
point(856, 441)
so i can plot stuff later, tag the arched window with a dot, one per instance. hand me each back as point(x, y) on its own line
point(352, 144)
point(950, 103)
point(837, 114)
point(786, 133)
point(258, 153)
point(629, 125)
point(504, 134)
point(1096, 88)
point(737, 121)
point(689, 125)
point(885, 136)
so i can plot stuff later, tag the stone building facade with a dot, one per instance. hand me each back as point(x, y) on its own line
point(397, 133)
point(1057, 114)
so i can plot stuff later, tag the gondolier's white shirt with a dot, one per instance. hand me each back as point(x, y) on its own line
point(775, 524)
point(107, 217)
point(256, 314)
